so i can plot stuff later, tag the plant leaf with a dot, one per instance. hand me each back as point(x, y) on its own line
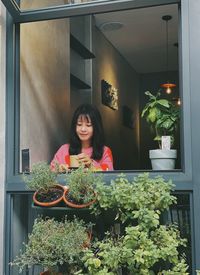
point(163, 102)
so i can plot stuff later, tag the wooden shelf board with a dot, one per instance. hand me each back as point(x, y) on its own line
point(78, 47)
point(77, 82)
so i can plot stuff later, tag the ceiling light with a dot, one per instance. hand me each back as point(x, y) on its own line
point(168, 86)
point(110, 26)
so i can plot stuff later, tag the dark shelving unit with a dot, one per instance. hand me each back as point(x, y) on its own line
point(78, 47)
point(78, 83)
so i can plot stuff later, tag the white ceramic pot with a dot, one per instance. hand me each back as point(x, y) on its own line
point(163, 159)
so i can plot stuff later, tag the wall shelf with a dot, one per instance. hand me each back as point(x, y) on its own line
point(107, 216)
point(78, 83)
point(61, 207)
point(78, 47)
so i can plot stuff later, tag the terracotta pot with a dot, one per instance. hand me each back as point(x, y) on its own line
point(48, 273)
point(45, 273)
point(73, 205)
point(88, 242)
point(52, 203)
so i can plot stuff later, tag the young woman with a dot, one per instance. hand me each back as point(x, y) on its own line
point(86, 141)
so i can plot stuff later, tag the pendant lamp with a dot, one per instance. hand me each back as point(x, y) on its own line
point(168, 86)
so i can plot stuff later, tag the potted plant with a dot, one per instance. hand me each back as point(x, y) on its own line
point(43, 181)
point(163, 117)
point(56, 246)
point(80, 187)
point(144, 245)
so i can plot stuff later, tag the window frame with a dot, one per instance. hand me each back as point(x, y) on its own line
point(183, 178)
point(66, 10)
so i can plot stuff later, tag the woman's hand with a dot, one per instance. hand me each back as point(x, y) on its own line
point(63, 168)
point(85, 159)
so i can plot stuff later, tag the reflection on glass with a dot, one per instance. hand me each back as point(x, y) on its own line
point(41, 4)
point(63, 63)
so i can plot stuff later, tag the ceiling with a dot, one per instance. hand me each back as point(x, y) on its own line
point(142, 39)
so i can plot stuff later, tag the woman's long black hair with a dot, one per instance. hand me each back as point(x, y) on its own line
point(97, 142)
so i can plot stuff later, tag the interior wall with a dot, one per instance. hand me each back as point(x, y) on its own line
point(44, 87)
point(151, 82)
point(36, 4)
point(2, 130)
point(113, 68)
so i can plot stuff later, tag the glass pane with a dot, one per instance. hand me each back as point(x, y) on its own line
point(40, 4)
point(109, 60)
point(44, 88)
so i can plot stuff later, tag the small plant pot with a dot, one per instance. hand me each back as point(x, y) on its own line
point(88, 242)
point(162, 159)
point(47, 272)
point(51, 203)
point(73, 204)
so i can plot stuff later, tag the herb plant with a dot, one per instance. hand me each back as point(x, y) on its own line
point(145, 247)
point(42, 178)
point(138, 251)
point(135, 198)
point(162, 115)
point(52, 244)
point(81, 183)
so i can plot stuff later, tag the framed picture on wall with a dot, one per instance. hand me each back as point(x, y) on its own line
point(128, 117)
point(109, 95)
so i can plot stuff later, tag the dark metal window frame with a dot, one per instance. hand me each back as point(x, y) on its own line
point(182, 178)
point(66, 10)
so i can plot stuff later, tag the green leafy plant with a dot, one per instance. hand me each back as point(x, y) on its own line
point(41, 178)
point(162, 115)
point(135, 198)
point(138, 252)
point(81, 183)
point(52, 244)
point(145, 244)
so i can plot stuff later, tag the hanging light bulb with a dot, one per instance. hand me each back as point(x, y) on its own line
point(168, 86)
point(169, 90)
point(176, 100)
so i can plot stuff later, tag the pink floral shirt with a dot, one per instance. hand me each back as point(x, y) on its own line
point(105, 163)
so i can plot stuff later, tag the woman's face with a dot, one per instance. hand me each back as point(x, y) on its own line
point(84, 129)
